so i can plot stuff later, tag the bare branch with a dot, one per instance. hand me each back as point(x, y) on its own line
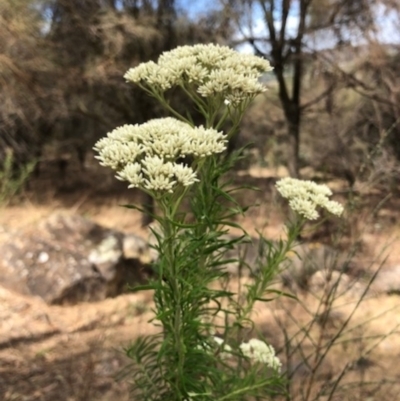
point(318, 98)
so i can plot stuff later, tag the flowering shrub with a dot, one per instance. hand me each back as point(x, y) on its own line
point(201, 352)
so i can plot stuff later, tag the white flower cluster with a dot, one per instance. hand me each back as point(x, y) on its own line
point(259, 351)
point(211, 69)
point(145, 155)
point(305, 196)
point(255, 350)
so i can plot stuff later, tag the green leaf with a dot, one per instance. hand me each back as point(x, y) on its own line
point(264, 299)
point(144, 287)
point(282, 293)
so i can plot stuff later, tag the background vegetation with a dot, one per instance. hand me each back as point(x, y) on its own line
point(334, 95)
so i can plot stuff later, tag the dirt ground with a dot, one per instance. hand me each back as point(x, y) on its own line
point(76, 353)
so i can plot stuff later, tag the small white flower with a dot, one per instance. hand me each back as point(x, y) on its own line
point(259, 351)
point(246, 64)
point(159, 183)
point(101, 144)
point(334, 207)
point(228, 83)
point(196, 73)
point(125, 133)
point(304, 207)
point(203, 142)
point(184, 175)
point(150, 73)
point(155, 166)
point(117, 154)
point(168, 147)
point(131, 173)
point(305, 196)
point(227, 102)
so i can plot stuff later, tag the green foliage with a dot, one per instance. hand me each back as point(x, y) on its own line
point(12, 180)
point(184, 361)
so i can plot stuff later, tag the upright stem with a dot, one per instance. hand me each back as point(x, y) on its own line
point(171, 275)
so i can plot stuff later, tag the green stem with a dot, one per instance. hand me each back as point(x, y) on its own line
point(164, 102)
point(171, 275)
point(244, 390)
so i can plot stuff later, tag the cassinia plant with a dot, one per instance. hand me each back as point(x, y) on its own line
point(202, 351)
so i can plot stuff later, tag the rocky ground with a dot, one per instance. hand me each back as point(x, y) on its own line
point(74, 352)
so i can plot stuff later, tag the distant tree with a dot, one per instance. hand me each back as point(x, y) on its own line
point(23, 65)
point(62, 64)
point(294, 35)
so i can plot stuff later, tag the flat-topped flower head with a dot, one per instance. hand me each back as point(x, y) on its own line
point(116, 154)
point(212, 69)
point(152, 74)
point(146, 155)
point(259, 351)
point(305, 196)
point(184, 174)
point(204, 142)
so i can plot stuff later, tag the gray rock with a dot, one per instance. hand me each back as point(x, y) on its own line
point(69, 259)
point(387, 281)
point(335, 283)
point(135, 247)
point(304, 260)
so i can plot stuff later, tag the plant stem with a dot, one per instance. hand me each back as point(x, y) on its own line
point(173, 321)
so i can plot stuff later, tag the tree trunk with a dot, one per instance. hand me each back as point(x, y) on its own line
point(293, 151)
point(293, 120)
